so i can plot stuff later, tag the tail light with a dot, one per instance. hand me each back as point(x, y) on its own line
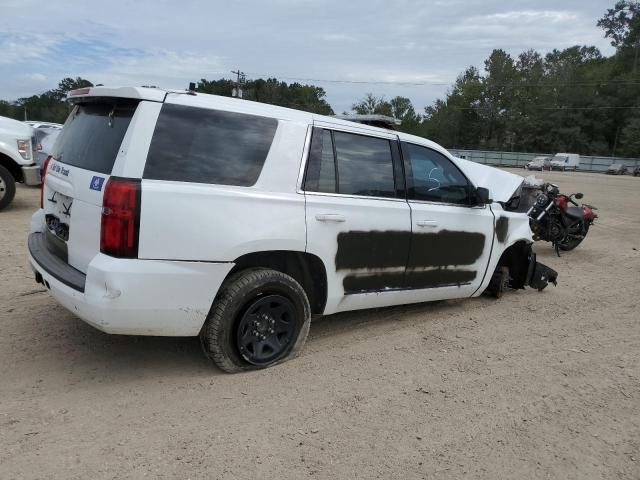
point(24, 148)
point(120, 222)
point(79, 91)
point(43, 174)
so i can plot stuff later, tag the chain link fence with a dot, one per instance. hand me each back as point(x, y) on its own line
point(519, 159)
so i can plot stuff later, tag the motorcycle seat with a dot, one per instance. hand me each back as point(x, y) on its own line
point(575, 212)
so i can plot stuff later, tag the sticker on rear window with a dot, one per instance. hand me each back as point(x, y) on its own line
point(96, 183)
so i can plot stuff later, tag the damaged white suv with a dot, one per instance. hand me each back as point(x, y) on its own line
point(174, 213)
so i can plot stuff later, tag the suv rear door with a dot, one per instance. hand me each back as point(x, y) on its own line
point(358, 220)
point(82, 161)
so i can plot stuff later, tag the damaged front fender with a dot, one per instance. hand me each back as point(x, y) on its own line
point(539, 275)
point(519, 268)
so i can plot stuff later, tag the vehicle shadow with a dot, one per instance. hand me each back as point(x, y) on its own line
point(90, 353)
point(85, 352)
point(385, 317)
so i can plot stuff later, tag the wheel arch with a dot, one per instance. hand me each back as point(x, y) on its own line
point(307, 269)
point(516, 257)
point(10, 164)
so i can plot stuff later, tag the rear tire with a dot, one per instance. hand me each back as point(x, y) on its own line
point(259, 318)
point(7, 187)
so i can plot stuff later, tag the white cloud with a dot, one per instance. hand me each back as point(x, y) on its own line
point(164, 68)
point(337, 37)
point(16, 49)
point(36, 77)
point(532, 15)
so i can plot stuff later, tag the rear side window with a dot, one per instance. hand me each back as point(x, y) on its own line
point(92, 135)
point(365, 165)
point(321, 169)
point(209, 146)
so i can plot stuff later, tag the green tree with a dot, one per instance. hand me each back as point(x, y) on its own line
point(398, 107)
point(573, 99)
point(295, 95)
point(622, 23)
point(496, 101)
point(372, 105)
point(630, 139)
point(457, 121)
point(402, 109)
point(49, 106)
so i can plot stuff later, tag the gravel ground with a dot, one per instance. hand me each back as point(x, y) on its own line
point(535, 385)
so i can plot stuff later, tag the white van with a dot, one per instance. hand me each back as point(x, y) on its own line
point(565, 161)
point(174, 213)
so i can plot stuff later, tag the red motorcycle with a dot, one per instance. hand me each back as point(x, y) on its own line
point(557, 218)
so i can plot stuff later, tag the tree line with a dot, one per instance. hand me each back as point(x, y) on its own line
point(574, 100)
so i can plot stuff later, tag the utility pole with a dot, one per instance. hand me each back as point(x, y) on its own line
point(240, 79)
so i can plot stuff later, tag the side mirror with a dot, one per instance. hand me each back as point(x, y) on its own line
point(578, 195)
point(482, 196)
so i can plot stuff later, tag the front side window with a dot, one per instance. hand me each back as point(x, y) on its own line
point(209, 146)
point(433, 177)
point(364, 164)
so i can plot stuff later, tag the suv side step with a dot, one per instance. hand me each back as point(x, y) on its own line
point(53, 265)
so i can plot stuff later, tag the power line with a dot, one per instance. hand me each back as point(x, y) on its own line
point(601, 107)
point(425, 83)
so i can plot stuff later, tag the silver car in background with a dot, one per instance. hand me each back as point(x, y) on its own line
point(45, 138)
point(539, 163)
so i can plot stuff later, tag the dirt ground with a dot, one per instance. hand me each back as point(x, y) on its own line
point(535, 385)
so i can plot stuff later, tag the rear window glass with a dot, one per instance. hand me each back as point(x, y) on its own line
point(209, 146)
point(92, 135)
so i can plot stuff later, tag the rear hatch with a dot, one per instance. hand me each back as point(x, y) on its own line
point(81, 162)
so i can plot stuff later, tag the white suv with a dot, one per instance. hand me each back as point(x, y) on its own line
point(174, 213)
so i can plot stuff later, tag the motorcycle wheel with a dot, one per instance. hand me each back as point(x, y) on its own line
point(574, 242)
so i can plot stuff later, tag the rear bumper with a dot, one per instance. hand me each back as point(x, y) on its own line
point(54, 265)
point(131, 296)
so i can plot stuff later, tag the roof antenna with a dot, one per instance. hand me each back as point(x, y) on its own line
point(192, 88)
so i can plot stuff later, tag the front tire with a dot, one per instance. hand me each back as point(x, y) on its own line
point(259, 318)
point(7, 187)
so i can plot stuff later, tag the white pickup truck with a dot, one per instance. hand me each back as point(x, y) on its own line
point(17, 162)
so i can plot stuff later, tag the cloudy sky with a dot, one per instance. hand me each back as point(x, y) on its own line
point(411, 48)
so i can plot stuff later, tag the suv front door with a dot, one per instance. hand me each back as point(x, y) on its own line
point(358, 220)
point(452, 238)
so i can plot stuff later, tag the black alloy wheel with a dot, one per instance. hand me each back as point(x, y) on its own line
point(266, 329)
point(260, 317)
